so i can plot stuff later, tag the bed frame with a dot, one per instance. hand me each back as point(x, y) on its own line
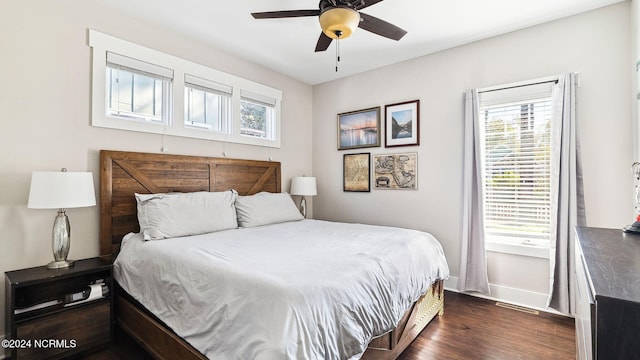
point(124, 173)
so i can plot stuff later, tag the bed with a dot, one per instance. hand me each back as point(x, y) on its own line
point(124, 174)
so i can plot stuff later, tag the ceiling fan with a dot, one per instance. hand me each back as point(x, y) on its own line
point(338, 19)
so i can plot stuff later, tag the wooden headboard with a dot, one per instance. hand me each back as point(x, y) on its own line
point(124, 173)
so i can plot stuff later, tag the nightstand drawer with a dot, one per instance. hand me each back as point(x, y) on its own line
point(72, 331)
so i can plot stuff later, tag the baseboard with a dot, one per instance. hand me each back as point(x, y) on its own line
point(451, 284)
point(526, 298)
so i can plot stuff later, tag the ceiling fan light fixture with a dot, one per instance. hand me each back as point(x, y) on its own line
point(339, 22)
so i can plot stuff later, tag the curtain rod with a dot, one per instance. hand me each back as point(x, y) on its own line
point(555, 81)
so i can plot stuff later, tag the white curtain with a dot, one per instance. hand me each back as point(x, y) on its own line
point(567, 200)
point(473, 259)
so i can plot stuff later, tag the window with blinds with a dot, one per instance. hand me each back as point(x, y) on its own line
point(141, 89)
point(207, 104)
point(516, 154)
point(137, 90)
point(257, 115)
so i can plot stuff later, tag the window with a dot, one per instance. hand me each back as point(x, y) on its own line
point(257, 115)
point(140, 89)
point(207, 104)
point(137, 90)
point(516, 160)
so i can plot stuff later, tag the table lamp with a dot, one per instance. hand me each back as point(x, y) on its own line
point(303, 186)
point(61, 190)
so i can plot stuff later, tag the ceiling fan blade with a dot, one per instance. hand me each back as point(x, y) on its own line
point(367, 3)
point(323, 42)
point(285, 14)
point(380, 27)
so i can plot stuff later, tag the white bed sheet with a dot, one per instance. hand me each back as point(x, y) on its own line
point(308, 289)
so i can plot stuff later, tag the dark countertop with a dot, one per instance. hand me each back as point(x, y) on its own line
point(613, 260)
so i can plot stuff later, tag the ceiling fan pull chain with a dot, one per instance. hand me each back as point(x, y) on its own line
point(338, 33)
point(337, 53)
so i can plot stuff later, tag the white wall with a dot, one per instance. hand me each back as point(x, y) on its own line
point(45, 117)
point(635, 64)
point(595, 44)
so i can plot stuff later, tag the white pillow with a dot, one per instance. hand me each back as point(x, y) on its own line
point(266, 208)
point(170, 215)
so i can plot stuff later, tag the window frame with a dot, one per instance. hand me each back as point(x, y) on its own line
point(260, 100)
point(175, 123)
point(209, 88)
point(165, 99)
point(491, 244)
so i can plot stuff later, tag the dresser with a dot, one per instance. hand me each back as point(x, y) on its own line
point(608, 294)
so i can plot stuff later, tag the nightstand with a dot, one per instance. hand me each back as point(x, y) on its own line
point(55, 313)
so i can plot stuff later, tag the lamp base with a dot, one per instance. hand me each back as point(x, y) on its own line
point(61, 242)
point(303, 207)
point(60, 264)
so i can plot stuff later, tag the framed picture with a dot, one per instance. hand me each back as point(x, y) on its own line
point(395, 171)
point(356, 172)
point(402, 124)
point(359, 129)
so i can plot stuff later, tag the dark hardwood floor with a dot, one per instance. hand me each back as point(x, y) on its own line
point(471, 328)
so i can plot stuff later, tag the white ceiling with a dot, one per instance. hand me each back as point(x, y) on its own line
point(287, 45)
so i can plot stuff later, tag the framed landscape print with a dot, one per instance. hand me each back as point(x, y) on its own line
point(395, 171)
point(402, 124)
point(359, 129)
point(356, 172)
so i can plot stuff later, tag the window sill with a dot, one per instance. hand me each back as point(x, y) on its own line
point(518, 249)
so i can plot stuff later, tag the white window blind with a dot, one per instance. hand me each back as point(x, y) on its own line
point(257, 98)
point(118, 61)
point(207, 85)
point(516, 145)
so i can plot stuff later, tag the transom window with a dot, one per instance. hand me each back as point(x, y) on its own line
point(137, 90)
point(135, 95)
point(257, 115)
point(207, 105)
point(133, 89)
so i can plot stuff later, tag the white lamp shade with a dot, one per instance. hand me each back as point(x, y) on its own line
point(304, 185)
point(61, 190)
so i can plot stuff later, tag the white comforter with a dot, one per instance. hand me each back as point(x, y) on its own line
point(299, 290)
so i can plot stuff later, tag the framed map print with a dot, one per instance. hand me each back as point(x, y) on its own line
point(395, 171)
point(356, 172)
